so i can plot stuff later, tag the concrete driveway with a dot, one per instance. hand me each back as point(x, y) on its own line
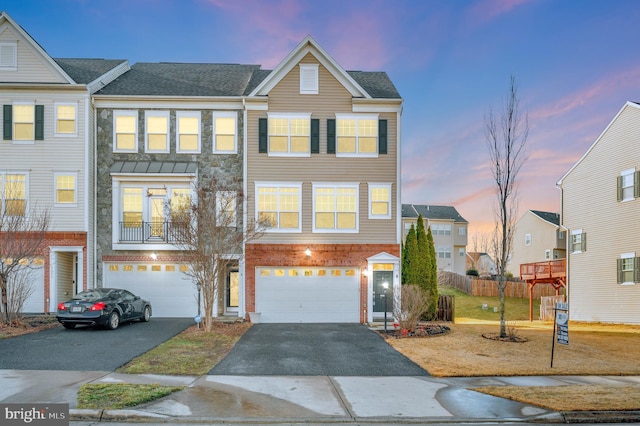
point(87, 348)
point(314, 350)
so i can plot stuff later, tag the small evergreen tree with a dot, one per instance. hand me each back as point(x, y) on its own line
point(409, 257)
point(432, 278)
point(423, 265)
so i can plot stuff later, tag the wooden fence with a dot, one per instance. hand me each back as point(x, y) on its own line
point(476, 287)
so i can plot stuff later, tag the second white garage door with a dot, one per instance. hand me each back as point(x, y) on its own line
point(308, 295)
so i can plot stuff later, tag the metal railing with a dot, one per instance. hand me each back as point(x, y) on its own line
point(147, 232)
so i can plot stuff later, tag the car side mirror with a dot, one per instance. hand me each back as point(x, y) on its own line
point(136, 298)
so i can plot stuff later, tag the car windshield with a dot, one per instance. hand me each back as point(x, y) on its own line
point(89, 295)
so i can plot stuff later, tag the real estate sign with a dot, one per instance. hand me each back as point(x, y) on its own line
point(562, 323)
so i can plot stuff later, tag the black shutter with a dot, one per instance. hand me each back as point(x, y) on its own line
point(636, 184)
point(262, 135)
point(583, 242)
point(636, 269)
point(39, 122)
point(620, 188)
point(315, 136)
point(382, 136)
point(7, 119)
point(619, 269)
point(331, 136)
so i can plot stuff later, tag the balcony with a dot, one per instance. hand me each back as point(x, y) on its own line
point(549, 271)
point(148, 232)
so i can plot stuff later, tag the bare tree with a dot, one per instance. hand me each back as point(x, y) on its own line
point(22, 235)
point(211, 233)
point(506, 138)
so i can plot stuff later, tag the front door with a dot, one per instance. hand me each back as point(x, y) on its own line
point(379, 292)
point(232, 291)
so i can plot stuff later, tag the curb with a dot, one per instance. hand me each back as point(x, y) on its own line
point(632, 416)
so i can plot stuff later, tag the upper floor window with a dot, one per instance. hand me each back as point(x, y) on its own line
point(462, 231)
point(125, 131)
point(66, 119)
point(461, 252)
point(379, 201)
point(65, 188)
point(279, 206)
point(527, 239)
point(156, 131)
point(578, 241)
point(561, 235)
point(443, 252)
point(441, 229)
point(23, 122)
point(335, 208)
point(188, 131)
point(309, 79)
point(356, 135)
point(547, 254)
point(13, 194)
point(628, 185)
point(8, 56)
point(290, 134)
point(224, 133)
point(628, 268)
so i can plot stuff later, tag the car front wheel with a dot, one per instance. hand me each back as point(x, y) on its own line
point(114, 321)
point(146, 314)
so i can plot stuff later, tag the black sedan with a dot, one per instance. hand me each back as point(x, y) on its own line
point(103, 306)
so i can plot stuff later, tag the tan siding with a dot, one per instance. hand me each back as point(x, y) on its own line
point(323, 167)
point(32, 68)
point(543, 237)
point(612, 228)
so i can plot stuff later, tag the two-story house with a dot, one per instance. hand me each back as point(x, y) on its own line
point(449, 231)
point(601, 201)
point(537, 236)
point(164, 130)
point(322, 168)
point(47, 157)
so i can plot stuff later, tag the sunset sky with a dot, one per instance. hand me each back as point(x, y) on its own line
point(576, 62)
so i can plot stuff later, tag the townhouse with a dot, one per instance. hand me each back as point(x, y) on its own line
point(46, 157)
point(449, 231)
point(600, 205)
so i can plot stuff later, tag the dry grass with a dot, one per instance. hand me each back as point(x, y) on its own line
point(28, 325)
point(594, 349)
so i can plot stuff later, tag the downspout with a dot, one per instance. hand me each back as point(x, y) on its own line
point(245, 188)
point(94, 266)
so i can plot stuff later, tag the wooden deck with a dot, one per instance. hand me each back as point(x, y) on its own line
point(553, 272)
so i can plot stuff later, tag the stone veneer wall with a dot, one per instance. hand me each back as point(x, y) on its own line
point(227, 168)
point(327, 255)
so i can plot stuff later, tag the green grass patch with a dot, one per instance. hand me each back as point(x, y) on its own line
point(191, 353)
point(468, 306)
point(111, 396)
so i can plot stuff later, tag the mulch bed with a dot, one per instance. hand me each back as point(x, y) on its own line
point(507, 338)
point(423, 330)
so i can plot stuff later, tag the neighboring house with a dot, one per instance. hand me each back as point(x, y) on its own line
point(164, 130)
point(322, 167)
point(481, 262)
point(47, 158)
point(600, 210)
point(537, 236)
point(449, 231)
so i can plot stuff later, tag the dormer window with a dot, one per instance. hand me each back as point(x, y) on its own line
point(308, 79)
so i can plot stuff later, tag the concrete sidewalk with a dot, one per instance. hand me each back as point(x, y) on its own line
point(313, 399)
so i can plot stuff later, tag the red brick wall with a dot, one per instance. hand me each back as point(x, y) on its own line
point(322, 255)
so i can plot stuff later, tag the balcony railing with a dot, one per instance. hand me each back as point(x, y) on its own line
point(550, 269)
point(148, 232)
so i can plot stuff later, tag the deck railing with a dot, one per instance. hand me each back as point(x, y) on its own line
point(543, 270)
point(147, 232)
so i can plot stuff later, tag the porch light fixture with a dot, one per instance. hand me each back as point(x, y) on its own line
point(307, 251)
point(154, 256)
point(385, 286)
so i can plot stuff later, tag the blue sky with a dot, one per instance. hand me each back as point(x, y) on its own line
point(576, 63)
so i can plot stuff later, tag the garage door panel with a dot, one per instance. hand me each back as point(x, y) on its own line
point(313, 298)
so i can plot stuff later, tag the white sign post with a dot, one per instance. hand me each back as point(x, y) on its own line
point(560, 326)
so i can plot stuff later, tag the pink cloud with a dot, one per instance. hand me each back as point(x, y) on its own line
point(485, 11)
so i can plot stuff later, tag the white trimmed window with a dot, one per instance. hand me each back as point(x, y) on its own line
point(627, 269)
point(462, 231)
point(13, 193)
point(188, 131)
point(9, 56)
point(309, 79)
point(547, 254)
point(356, 135)
point(65, 189)
point(226, 208)
point(225, 139)
point(527, 239)
point(440, 229)
point(578, 241)
point(626, 185)
point(443, 252)
point(461, 252)
point(156, 135)
point(23, 122)
point(279, 206)
point(290, 135)
point(379, 201)
point(335, 207)
point(125, 131)
point(66, 119)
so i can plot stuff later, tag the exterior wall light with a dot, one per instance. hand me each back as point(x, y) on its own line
point(154, 256)
point(307, 251)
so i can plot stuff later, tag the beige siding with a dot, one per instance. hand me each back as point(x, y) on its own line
point(543, 237)
point(323, 167)
point(42, 159)
point(612, 227)
point(32, 67)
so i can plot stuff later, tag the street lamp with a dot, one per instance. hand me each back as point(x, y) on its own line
point(385, 285)
point(199, 287)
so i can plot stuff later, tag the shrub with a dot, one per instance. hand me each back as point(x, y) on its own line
point(473, 272)
point(413, 303)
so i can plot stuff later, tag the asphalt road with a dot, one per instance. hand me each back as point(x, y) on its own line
point(314, 350)
point(87, 348)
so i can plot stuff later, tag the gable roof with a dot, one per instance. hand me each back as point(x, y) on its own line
point(85, 71)
point(627, 104)
point(432, 212)
point(553, 218)
point(360, 84)
point(182, 79)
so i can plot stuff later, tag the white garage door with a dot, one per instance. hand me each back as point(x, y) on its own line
point(309, 295)
point(35, 301)
point(170, 292)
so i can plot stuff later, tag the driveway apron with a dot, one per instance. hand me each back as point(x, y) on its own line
point(314, 350)
point(87, 348)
